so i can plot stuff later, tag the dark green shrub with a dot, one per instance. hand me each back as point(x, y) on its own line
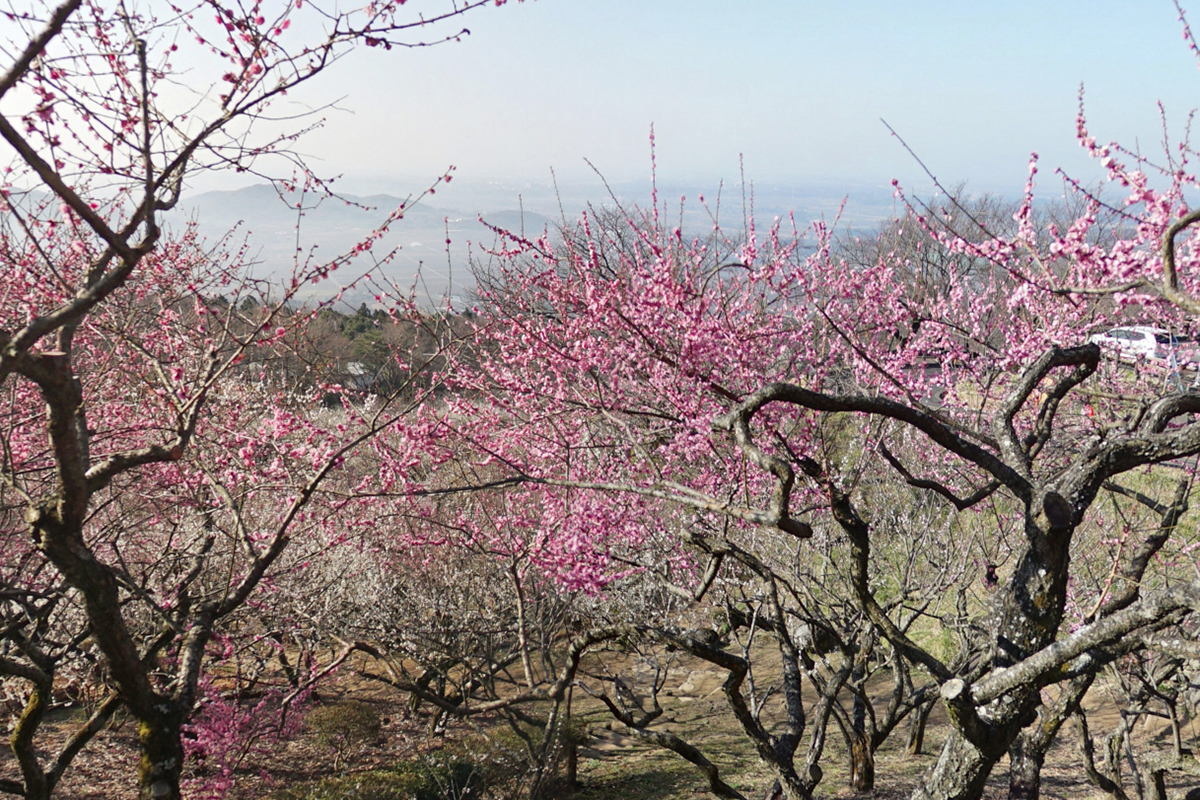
point(514, 758)
point(436, 777)
point(345, 727)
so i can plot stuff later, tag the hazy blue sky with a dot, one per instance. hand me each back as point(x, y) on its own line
point(797, 86)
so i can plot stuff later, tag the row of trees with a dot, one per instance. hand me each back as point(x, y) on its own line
point(895, 457)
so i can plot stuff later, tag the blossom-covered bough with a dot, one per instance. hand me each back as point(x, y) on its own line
point(154, 472)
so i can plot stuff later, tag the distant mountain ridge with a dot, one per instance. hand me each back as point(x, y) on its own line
point(278, 233)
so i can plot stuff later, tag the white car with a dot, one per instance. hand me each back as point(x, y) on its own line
point(1150, 344)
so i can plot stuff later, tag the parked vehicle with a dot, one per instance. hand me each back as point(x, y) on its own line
point(1150, 344)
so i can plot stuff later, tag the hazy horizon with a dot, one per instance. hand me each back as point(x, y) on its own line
point(550, 103)
point(793, 92)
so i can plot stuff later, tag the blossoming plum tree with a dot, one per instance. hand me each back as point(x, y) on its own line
point(160, 474)
point(699, 377)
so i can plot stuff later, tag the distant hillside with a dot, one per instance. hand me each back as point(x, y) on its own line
point(278, 234)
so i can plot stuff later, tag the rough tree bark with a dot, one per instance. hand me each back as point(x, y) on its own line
point(989, 711)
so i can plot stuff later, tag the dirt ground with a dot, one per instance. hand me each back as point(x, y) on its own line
point(697, 709)
point(612, 764)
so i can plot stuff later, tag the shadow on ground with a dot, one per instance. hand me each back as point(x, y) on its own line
point(644, 782)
